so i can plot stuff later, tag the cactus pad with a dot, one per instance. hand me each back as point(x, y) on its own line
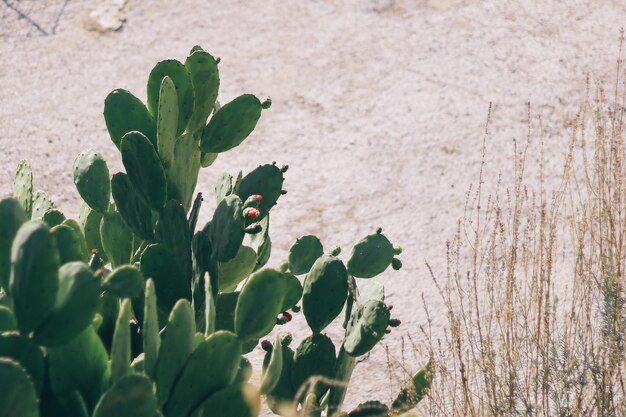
point(315, 356)
point(123, 113)
point(370, 256)
point(259, 303)
point(176, 346)
point(116, 238)
point(240, 400)
point(91, 177)
point(303, 254)
point(167, 121)
point(182, 81)
point(227, 228)
point(25, 352)
point(34, 280)
point(325, 292)
point(131, 207)
point(77, 302)
point(124, 282)
point(144, 169)
point(12, 216)
point(212, 366)
point(151, 336)
point(23, 187)
point(129, 396)
point(266, 180)
point(366, 327)
point(18, 397)
point(231, 124)
point(206, 81)
point(231, 273)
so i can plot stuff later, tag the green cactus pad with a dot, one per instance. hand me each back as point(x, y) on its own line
point(260, 301)
point(82, 365)
point(120, 348)
point(91, 177)
point(244, 373)
point(415, 391)
point(18, 397)
point(124, 282)
point(227, 228)
point(231, 273)
point(23, 187)
point(207, 159)
point(303, 254)
point(77, 302)
point(225, 306)
point(25, 352)
point(266, 180)
point(131, 207)
point(167, 121)
point(116, 238)
point(261, 243)
point(315, 356)
point(370, 409)
point(182, 81)
point(172, 232)
point(370, 256)
point(12, 216)
point(123, 113)
point(282, 396)
point(53, 218)
point(151, 336)
point(7, 320)
point(41, 204)
point(129, 396)
point(89, 221)
point(223, 186)
point(71, 244)
point(366, 327)
point(325, 292)
point(231, 124)
point(206, 81)
point(176, 346)
point(144, 169)
point(293, 291)
point(211, 367)
point(183, 174)
point(241, 400)
point(137, 365)
point(160, 265)
point(34, 280)
point(272, 367)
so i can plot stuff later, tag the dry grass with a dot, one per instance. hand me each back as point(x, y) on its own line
point(534, 285)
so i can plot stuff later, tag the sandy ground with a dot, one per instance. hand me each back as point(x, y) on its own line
point(379, 108)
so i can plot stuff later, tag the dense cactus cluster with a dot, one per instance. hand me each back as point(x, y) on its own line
point(136, 310)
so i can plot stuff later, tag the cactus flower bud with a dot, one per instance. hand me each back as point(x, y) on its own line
point(266, 345)
point(296, 308)
point(390, 307)
point(287, 315)
point(396, 264)
point(397, 250)
point(257, 197)
point(284, 168)
point(281, 320)
point(387, 331)
point(379, 230)
point(283, 192)
point(286, 339)
point(394, 322)
point(266, 103)
point(335, 251)
point(218, 59)
point(252, 213)
point(253, 229)
point(94, 251)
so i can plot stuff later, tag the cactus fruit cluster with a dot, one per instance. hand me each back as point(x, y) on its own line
point(136, 310)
